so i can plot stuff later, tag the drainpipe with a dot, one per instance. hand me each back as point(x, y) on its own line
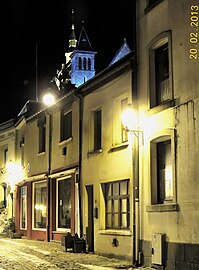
point(80, 162)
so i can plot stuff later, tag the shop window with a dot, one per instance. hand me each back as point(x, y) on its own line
point(117, 204)
point(42, 134)
point(39, 204)
point(64, 203)
point(23, 207)
point(66, 125)
point(160, 72)
point(162, 171)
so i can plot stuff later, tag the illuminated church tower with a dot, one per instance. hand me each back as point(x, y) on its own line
point(79, 65)
point(82, 60)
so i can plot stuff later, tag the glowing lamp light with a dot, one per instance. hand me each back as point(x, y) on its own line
point(15, 173)
point(48, 99)
point(128, 118)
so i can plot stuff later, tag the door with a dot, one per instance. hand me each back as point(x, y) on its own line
point(90, 228)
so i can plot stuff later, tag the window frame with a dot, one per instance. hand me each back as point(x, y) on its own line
point(151, 4)
point(120, 135)
point(41, 124)
point(33, 206)
point(154, 45)
point(117, 198)
point(166, 135)
point(69, 177)
point(21, 205)
point(65, 133)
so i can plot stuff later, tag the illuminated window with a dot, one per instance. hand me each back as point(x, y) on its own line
point(97, 130)
point(39, 204)
point(117, 204)
point(23, 207)
point(160, 74)
point(66, 125)
point(162, 171)
point(120, 134)
point(42, 134)
point(64, 203)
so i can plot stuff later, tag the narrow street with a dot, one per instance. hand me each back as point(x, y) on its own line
point(21, 254)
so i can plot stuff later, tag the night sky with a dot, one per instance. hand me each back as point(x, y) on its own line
point(25, 23)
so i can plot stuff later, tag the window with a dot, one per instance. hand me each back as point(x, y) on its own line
point(89, 64)
point(124, 105)
point(162, 171)
point(80, 62)
point(42, 134)
point(151, 4)
point(5, 156)
point(64, 203)
point(120, 135)
point(23, 219)
point(84, 62)
point(97, 129)
point(117, 204)
point(66, 125)
point(39, 204)
point(160, 73)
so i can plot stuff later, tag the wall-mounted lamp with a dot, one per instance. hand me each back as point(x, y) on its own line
point(128, 118)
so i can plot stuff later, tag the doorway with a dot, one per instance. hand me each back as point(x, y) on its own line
point(90, 228)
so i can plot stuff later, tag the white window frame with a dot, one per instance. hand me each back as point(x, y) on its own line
point(25, 188)
point(57, 203)
point(33, 203)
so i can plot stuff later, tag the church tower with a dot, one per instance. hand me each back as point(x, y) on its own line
point(82, 60)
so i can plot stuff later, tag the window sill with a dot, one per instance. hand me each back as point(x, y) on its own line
point(41, 153)
point(152, 5)
point(163, 106)
point(65, 141)
point(162, 207)
point(118, 147)
point(115, 232)
point(94, 152)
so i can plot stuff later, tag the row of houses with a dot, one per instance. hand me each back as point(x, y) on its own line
point(130, 189)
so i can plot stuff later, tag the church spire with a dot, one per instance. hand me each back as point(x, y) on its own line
point(72, 40)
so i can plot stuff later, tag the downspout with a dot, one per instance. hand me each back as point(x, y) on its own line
point(79, 96)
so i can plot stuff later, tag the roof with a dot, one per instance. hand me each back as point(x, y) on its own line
point(83, 42)
point(123, 51)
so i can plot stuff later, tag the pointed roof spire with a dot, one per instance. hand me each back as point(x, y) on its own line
point(72, 40)
point(83, 42)
point(123, 51)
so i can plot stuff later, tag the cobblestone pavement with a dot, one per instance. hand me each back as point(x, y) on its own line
point(23, 254)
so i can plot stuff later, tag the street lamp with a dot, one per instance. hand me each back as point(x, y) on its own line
point(49, 99)
point(129, 121)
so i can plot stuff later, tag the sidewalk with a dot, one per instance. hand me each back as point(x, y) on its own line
point(23, 254)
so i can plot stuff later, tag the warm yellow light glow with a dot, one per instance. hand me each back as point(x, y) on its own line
point(15, 173)
point(48, 99)
point(128, 118)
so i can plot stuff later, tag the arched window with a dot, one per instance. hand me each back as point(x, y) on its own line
point(80, 63)
point(89, 64)
point(84, 62)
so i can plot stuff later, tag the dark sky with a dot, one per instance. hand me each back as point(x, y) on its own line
point(25, 23)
